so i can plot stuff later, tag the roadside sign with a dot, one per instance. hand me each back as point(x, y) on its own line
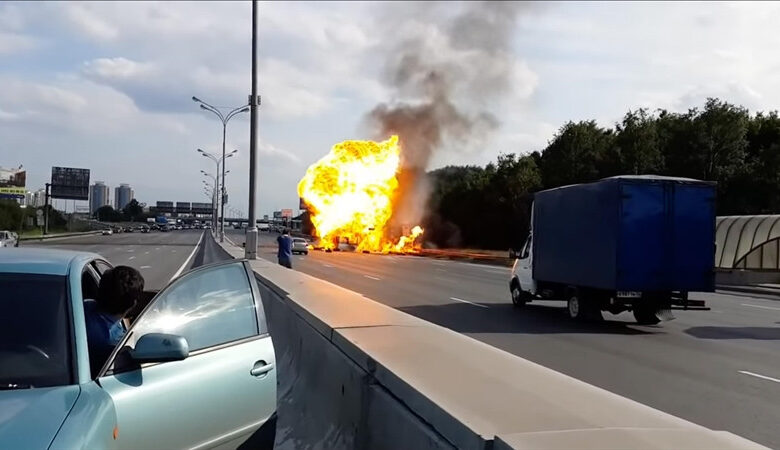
point(69, 183)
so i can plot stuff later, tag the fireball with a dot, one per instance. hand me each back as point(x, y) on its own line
point(350, 194)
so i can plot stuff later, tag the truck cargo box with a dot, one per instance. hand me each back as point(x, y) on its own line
point(629, 233)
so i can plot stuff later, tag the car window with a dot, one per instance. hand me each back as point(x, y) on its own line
point(207, 307)
point(101, 266)
point(35, 342)
point(526, 248)
point(89, 283)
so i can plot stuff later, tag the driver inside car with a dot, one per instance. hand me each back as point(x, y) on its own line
point(119, 291)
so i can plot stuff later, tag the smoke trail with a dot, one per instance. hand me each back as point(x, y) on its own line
point(444, 71)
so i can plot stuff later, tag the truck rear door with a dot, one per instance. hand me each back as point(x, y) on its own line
point(643, 236)
point(693, 246)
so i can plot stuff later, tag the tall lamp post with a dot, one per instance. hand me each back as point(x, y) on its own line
point(250, 249)
point(213, 190)
point(220, 162)
point(224, 118)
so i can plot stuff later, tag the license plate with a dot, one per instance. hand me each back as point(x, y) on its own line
point(629, 294)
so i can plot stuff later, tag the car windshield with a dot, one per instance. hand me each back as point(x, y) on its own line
point(299, 241)
point(34, 331)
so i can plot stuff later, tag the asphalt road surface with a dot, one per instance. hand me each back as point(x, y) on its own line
point(158, 256)
point(718, 368)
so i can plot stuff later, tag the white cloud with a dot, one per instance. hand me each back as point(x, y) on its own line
point(271, 150)
point(86, 19)
point(116, 68)
point(14, 43)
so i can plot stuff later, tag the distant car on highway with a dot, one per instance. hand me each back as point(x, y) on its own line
point(144, 229)
point(300, 245)
point(165, 228)
point(106, 232)
point(202, 340)
point(8, 239)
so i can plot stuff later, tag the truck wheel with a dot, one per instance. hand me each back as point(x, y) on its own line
point(582, 309)
point(518, 296)
point(574, 307)
point(646, 315)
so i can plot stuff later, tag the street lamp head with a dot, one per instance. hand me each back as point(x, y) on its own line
point(201, 151)
point(202, 106)
point(234, 151)
point(195, 99)
point(244, 109)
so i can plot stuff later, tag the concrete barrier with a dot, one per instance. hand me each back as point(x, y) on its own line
point(354, 373)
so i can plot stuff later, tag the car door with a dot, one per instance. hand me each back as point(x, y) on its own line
point(223, 391)
point(524, 267)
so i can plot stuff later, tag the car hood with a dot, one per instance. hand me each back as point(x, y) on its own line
point(30, 418)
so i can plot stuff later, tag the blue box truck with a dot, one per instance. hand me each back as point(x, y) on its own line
point(627, 243)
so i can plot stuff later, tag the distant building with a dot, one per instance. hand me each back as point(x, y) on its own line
point(122, 195)
point(39, 198)
point(98, 196)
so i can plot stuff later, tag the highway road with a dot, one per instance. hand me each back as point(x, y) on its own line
point(718, 368)
point(159, 256)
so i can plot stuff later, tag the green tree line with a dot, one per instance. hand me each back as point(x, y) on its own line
point(489, 207)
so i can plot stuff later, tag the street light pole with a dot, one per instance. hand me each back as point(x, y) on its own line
point(214, 193)
point(250, 249)
point(218, 161)
point(224, 118)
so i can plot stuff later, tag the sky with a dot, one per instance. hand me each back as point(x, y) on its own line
point(108, 85)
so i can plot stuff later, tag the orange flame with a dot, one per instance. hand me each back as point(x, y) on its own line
point(350, 193)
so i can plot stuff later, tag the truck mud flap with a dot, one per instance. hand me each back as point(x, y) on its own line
point(686, 304)
point(665, 315)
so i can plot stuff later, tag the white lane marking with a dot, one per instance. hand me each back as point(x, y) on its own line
point(328, 265)
point(496, 269)
point(131, 258)
point(763, 377)
point(189, 258)
point(759, 306)
point(173, 251)
point(130, 251)
point(157, 248)
point(146, 253)
point(373, 278)
point(440, 270)
point(145, 267)
point(438, 263)
point(466, 301)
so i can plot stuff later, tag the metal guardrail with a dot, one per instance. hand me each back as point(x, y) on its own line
point(56, 236)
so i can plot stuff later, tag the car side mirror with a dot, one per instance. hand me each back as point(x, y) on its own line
point(160, 347)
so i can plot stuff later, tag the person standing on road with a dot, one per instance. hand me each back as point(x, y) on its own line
point(285, 249)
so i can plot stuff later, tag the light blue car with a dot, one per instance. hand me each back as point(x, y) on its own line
point(195, 369)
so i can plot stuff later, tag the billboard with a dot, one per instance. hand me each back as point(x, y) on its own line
point(182, 207)
point(69, 183)
point(202, 208)
point(277, 214)
point(287, 213)
point(12, 183)
point(164, 207)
